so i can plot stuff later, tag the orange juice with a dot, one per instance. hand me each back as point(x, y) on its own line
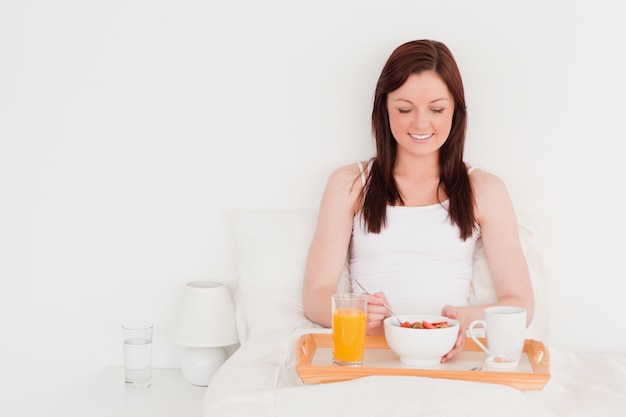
point(348, 335)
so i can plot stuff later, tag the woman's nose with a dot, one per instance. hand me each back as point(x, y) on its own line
point(420, 120)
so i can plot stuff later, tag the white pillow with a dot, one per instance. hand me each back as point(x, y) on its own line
point(271, 247)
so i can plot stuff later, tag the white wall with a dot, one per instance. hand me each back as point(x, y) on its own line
point(128, 127)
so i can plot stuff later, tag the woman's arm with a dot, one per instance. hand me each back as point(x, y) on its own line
point(505, 257)
point(500, 236)
point(329, 247)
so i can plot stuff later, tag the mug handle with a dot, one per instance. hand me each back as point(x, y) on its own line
point(471, 333)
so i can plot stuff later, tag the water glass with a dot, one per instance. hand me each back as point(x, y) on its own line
point(137, 339)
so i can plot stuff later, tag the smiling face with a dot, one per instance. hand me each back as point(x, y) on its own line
point(420, 114)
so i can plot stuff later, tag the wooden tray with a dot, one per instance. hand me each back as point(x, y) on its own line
point(315, 365)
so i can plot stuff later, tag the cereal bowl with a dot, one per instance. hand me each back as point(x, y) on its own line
point(421, 347)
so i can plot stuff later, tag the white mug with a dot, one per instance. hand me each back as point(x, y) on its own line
point(505, 330)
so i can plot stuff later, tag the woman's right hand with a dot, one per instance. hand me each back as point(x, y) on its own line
point(376, 313)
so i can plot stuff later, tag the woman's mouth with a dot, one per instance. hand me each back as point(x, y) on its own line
point(421, 137)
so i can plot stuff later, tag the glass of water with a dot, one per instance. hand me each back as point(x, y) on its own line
point(137, 338)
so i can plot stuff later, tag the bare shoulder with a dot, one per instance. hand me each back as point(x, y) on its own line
point(342, 191)
point(347, 177)
point(485, 182)
point(490, 192)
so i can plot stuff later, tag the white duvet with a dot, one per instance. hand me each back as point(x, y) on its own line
point(260, 380)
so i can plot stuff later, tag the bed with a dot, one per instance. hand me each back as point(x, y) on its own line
point(260, 378)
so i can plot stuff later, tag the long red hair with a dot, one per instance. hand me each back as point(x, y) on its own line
point(381, 188)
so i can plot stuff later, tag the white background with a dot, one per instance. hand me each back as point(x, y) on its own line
point(128, 128)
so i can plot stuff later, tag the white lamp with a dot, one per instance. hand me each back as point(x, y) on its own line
point(204, 324)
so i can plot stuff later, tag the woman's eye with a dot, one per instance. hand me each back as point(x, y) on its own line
point(437, 110)
point(404, 111)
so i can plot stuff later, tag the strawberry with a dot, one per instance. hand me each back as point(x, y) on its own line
point(428, 325)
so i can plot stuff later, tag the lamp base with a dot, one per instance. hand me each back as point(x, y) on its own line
point(198, 365)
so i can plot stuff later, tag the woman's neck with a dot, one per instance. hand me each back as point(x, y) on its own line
point(417, 168)
point(418, 181)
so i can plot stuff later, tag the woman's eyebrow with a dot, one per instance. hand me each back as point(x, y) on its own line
point(432, 101)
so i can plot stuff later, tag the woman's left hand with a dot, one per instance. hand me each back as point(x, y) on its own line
point(453, 313)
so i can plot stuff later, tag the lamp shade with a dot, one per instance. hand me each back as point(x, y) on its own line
point(205, 316)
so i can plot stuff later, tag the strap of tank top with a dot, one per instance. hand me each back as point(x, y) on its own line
point(471, 168)
point(362, 172)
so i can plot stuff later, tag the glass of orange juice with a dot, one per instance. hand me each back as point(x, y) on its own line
point(349, 314)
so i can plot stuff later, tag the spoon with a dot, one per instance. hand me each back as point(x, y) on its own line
point(384, 305)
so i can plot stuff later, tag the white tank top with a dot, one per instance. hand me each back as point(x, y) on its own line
point(418, 259)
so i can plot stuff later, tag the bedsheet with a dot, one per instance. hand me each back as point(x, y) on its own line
point(260, 380)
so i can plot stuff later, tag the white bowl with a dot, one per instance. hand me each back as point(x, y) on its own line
point(420, 347)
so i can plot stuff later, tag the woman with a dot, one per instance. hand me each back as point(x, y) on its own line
point(410, 216)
